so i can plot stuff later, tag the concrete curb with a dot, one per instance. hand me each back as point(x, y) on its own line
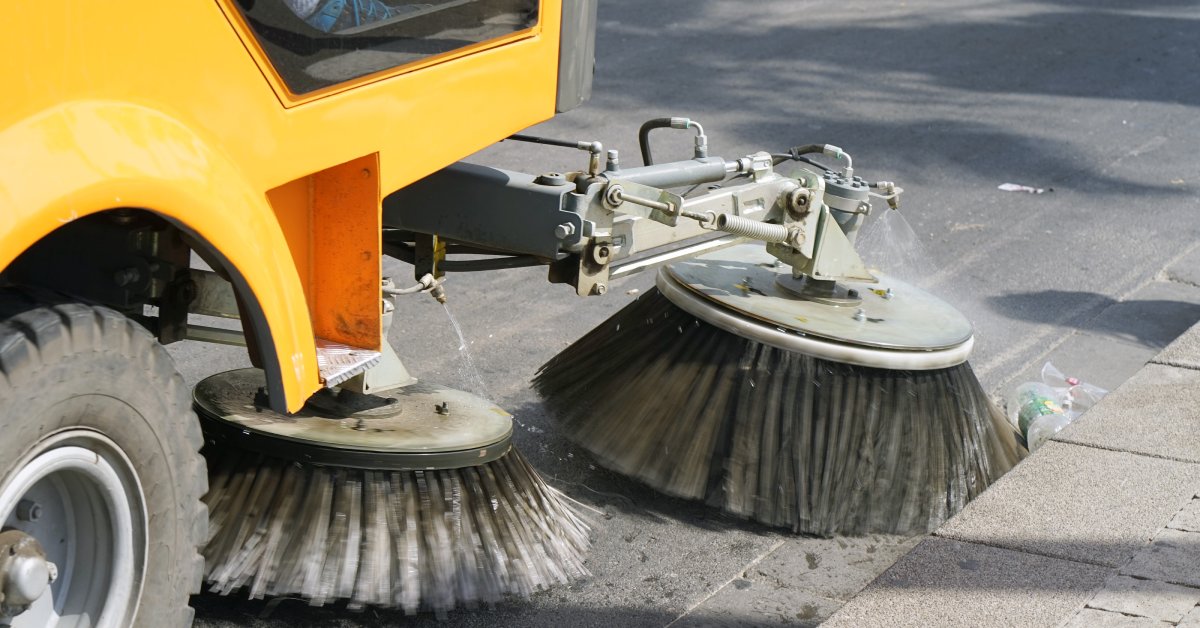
point(1100, 527)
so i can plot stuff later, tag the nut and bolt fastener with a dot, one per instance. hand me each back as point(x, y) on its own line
point(614, 195)
point(798, 201)
point(29, 510)
point(564, 230)
point(551, 178)
point(860, 315)
point(887, 294)
point(442, 408)
point(600, 288)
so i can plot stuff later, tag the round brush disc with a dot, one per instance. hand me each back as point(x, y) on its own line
point(420, 426)
point(885, 324)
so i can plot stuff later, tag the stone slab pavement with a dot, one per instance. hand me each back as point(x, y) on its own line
point(1100, 527)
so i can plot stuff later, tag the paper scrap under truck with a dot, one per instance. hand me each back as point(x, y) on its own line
point(290, 145)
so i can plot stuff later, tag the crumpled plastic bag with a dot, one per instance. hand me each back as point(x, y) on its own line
point(1039, 410)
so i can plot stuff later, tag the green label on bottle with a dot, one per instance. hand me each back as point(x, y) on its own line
point(1034, 407)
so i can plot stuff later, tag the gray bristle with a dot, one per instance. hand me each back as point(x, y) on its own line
point(416, 540)
point(779, 437)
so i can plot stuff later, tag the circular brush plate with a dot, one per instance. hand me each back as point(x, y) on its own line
point(737, 289)
point(420, 426)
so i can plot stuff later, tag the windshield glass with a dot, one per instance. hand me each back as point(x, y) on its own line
point(318, 43)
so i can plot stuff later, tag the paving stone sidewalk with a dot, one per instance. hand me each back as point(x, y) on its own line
point(1100, 527)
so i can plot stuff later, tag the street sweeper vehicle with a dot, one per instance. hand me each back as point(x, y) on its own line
point(162, 164)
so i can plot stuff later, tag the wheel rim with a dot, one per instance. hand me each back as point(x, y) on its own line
point(90, 518)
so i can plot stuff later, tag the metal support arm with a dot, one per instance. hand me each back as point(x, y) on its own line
point(583, 222)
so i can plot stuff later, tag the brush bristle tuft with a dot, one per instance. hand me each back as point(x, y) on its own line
point(779, 437)
point(416, 540)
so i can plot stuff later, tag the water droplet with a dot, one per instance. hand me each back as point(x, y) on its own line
point(890, 244)
point(467, 369)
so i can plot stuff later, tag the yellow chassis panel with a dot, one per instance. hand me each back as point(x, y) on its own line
point(162, 106)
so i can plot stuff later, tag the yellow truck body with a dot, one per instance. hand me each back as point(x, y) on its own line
point(178, 109)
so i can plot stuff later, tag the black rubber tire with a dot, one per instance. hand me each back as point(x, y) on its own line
point(66, 365)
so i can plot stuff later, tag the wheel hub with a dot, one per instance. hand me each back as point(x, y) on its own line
point(25, 574)
point(73, 549)
point(419, 426)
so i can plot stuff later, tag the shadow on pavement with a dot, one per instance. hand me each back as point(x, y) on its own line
point(1064, 47)
point(237, 611)
point(1152, 323)
point(808, 80)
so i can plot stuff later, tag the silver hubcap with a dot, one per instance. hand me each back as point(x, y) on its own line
point(25, 574)
point(77, 498)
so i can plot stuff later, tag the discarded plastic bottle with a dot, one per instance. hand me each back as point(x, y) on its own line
point(1044, 429)
point(1041, 409)
point(1039, 413)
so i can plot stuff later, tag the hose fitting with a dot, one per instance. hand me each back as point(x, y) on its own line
point(438, 293)
point(427, 283)
point(701, 143)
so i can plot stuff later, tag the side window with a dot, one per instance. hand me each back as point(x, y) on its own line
point(318, 43)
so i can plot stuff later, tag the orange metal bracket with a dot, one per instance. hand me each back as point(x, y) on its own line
point(331, 220)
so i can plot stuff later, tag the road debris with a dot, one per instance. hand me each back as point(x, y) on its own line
point(1016, 187)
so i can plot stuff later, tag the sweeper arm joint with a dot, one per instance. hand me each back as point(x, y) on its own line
point(594, 224)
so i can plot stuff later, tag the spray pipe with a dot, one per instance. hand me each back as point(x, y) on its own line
point(595, 149)
point(701, 150)
point(426, 283)
point(829, 150)
point(797, 153)
point(890, 193)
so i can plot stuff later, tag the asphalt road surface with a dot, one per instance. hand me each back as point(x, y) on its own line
point(1094, 101)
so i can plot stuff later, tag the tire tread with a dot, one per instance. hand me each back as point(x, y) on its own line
point(38, 328)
